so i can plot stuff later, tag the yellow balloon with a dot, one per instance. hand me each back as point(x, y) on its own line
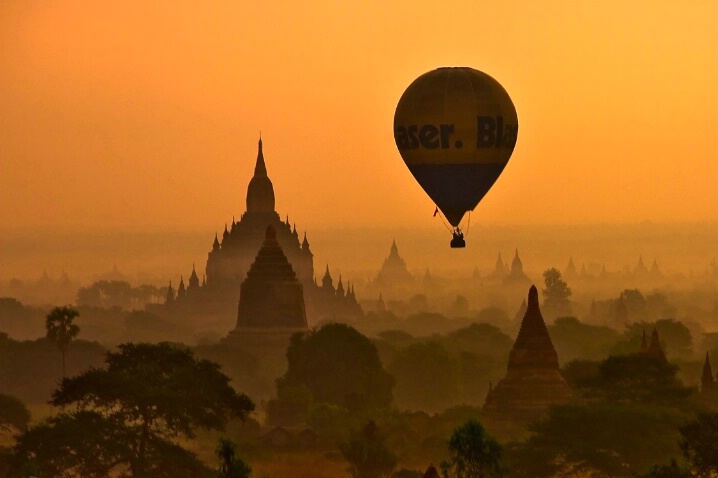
point(455, 129)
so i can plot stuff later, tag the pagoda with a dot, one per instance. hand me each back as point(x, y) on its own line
point(271, 296)
point(271, 301)
point(533, 381)
point(516, 275)
point(393, 271)
point(232, 253)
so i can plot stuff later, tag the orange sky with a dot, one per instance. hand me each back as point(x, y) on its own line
point(123, 115)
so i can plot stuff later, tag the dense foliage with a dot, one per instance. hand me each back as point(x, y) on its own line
point(367, 453)
point(127, 416)
point(336, 365)
point(474, 453)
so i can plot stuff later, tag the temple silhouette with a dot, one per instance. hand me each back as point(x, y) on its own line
point(393, 271)
point(271, 302)
point(533, 381)
point(232, 254)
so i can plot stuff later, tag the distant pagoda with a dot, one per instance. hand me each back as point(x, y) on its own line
point(393, 270)
point(533, 381)
point(516, 276)
point(709, 387)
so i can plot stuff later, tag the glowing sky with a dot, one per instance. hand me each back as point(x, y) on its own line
point(124, 115)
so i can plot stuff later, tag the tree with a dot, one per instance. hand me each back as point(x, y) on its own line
point(699, 444)
point(128, 417)
point(597, 440)
point(368, 454)
point(425, 363)
point(231, 466)
point(557, 293)
point(671, 470)
point(14, 415)
point(474, 453)
point(338, 365)
point(574, 339)
point(61, 330)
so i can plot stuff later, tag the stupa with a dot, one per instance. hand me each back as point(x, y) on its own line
point(533, 381)
point(516, 276)
point(393, 270)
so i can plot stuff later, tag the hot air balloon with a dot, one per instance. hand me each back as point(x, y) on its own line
point(455, 129)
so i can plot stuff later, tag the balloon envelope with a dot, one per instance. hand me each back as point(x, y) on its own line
point(455, 129)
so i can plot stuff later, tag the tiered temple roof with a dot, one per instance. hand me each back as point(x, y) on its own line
point(533, 381)
point(271, 296)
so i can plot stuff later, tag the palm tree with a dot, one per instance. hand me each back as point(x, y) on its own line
point(61, 330)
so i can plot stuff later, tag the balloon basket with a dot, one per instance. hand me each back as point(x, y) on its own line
point(458, 243)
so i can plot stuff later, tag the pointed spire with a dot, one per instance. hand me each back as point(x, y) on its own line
point(170, 294)
point(260, 169)
point(181, 289)
point(570, 268)
point(260, 192)
point(305, 243)
point(707, 377)
point(380, 306)
point(193, 279)
point(655, 348)
point(215, 244)
point(533, 347)
point(340, 287)
point(327, 282)
point(517, 268)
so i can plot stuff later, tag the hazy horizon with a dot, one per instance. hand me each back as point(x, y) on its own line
point(358, 253)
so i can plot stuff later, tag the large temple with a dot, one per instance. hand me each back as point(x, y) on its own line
point(232, 254)
point(533, 381)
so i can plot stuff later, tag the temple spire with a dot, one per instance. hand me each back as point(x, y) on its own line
point(260, 193)
point(260, 169)
point(707, 371)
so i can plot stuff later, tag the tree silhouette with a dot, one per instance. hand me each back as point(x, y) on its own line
point(129, 418)
point(556, 293)
point(474, 453)
point(14, 415)
point(61, 330)
point(231, 466)
point(699, 445)
point(368, 454)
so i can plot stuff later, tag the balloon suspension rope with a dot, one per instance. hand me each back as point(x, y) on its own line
point(441, 216)
point(468, 224)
